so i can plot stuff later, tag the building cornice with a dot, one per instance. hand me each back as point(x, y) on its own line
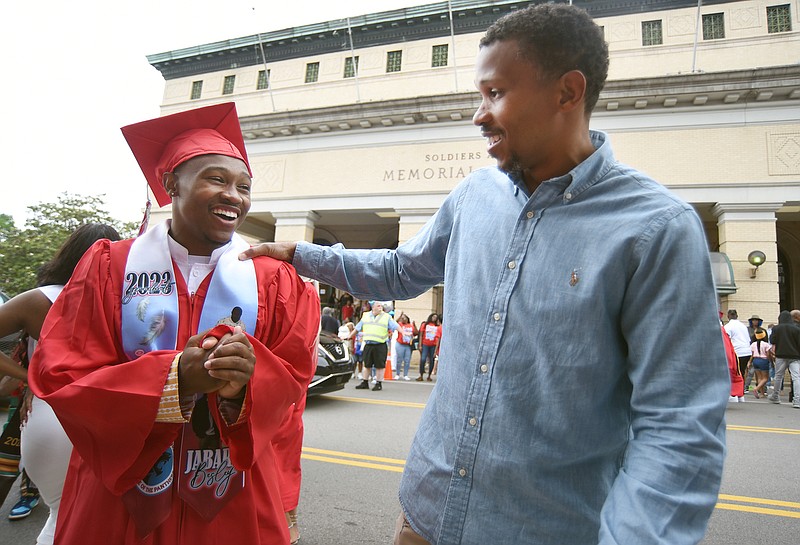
point(774, 85)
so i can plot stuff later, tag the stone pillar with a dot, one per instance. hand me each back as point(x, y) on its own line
point(744, 227)
point(295, 226)
point(418, 308)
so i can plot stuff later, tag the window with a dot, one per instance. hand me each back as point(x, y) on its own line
point(263, 80)
point(713, 26)
point(227, 86)
point(350, 69)
point(439, 56)
point(394, 60)
point(651, 33)
point(312, 72)
point(778, 19)
point(197, 88)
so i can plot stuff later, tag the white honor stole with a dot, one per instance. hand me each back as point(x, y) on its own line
point(150, 298)
point(206, 479)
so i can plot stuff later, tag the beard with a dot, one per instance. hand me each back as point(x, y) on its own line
point(513, 167)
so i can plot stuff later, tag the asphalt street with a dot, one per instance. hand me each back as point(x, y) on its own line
point(356, 443)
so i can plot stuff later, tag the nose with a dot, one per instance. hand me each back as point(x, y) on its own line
point(231, 193)
point(481, 115)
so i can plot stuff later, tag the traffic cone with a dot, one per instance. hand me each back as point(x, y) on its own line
point(388, 374)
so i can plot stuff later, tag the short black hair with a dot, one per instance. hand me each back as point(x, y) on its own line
point(557, 38)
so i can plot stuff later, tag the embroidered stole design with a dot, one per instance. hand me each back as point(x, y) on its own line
point(206, 478)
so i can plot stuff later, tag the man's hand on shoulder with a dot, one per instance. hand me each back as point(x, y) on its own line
point(283, 251)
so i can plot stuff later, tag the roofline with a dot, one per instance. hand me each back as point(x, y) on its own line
point(369, 30)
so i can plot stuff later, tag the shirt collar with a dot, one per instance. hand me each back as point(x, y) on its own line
point(181, 254)
point(583, 176)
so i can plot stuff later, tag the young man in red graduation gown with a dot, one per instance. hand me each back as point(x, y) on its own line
point(172, 429)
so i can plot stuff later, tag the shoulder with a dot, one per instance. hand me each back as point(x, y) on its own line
point(268, 267)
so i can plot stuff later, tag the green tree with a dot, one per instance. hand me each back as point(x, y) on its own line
point(23, 251)
point(7, 227)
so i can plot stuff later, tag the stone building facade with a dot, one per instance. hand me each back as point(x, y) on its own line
point(358, 128)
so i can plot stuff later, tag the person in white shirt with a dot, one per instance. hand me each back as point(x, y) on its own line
point(740, 338)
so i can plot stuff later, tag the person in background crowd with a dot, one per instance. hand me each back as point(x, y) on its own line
point(740, 338)
point(375, 327)
point(785, 341)
point(760, 348)
point(430, 334)
point(173, 422)
point(406, 329)
point(558, 227)
point(753, 323)
point(329, 322)
point(737, 384)
point(347, 309)
point(46, 449)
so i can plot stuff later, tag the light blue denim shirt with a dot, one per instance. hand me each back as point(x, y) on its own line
point(582, 380)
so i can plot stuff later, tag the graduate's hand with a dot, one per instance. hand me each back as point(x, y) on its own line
point(193, 377)
point(232, 361)
point(284, 251)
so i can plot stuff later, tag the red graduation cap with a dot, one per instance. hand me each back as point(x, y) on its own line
point(161, 144)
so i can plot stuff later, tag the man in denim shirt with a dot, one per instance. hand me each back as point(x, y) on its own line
point(590, 439)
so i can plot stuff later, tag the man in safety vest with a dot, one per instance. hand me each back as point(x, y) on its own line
point(375, 327)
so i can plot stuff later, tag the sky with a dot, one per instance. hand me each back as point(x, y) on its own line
point(74, 72)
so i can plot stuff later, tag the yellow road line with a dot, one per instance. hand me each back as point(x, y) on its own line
point(378, 401)
point(745, 499)
point(760, 429)
point(352, 463)
point(352, 455)
point(759, 510)
point(350, 459)
point(396, 465)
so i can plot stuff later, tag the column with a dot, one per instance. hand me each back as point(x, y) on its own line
point(295, 226)
point(744, 227)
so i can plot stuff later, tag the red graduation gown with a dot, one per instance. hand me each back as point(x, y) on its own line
point(108, 404)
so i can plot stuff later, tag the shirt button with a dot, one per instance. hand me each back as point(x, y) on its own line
point(512, 264)
point(484, 368)
point(496, 316)
point(195, 273)
point(568, 196)
point(462, 472)
point(529, 215)
point(473, 421)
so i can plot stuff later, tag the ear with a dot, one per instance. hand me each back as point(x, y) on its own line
point(170, 182)
point(573, 90)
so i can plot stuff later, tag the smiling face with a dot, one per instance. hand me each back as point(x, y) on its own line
point(211, 197)
point(519, 112)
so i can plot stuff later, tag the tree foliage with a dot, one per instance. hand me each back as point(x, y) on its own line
point(23, 251)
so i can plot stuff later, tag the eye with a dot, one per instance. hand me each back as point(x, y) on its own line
point(494, 93)
point(244, 188)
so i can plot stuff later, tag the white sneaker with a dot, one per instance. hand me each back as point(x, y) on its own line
point(741, 399)
point(406, 378)
point(733, 399)
point(775, 398)
point(360, 376)
point(397, 377)
point(373, 381)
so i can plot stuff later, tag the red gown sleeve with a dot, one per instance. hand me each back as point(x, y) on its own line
point(106, 403)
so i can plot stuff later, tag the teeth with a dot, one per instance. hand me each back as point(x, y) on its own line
point(227, 213)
